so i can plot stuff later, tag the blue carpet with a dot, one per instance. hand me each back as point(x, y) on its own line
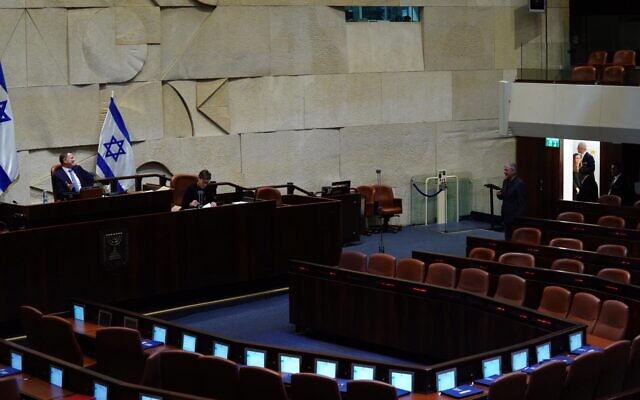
point(431, 238)
point(266, 321)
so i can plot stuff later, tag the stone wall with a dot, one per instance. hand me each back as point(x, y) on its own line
point(271, 91)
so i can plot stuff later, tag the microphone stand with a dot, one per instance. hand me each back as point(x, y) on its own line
point(381, 244)
point(446, 211)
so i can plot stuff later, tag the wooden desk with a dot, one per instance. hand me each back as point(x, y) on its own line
point(593, 211)
point(598, 341)
point(84, 328)
point(138, 257)
point(352, 210)
point(591, 235)
point(39, 389)
point(545, 255)
point(538, 278)
point(65, 212)
point(400, 315)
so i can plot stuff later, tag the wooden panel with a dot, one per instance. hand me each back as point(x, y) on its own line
point(160, 254)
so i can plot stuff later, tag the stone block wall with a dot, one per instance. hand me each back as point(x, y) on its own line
point(270, 91)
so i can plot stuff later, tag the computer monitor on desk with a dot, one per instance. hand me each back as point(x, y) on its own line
point(340, 187)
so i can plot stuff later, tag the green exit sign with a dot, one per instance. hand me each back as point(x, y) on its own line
point(552, 142)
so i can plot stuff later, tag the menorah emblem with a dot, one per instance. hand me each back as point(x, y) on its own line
point(114, 240)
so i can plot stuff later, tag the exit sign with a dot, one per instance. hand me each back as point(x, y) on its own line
point(552, 142)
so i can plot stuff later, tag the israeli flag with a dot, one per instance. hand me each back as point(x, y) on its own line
point(115, 152)
point(8, 154)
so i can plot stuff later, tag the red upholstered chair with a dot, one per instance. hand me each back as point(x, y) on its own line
point(512, 289)
point(567, 243)
point(615, 274)
point(555, 301)
point(625, 58)
point(9, 389)
point(54, 169)
point(610, 199)
point(220, 378)
point(614, 369)
point(585, 309)
point(269, 193)
point(597, 58)
point(508, 387)
point(441, 274)
point(387, 206)
point(179, 184)
point(31, 319)
point(570, 216)
point(568, 265)
point(611, 221)
point(613, 74)
point(613, 320)
point(526, 235)
point(307, 386)
point(179, 371)
point(474, 280)
point(119, 354)
point(519, 259)
point(370, 390)
point(482, 253)
point(410, 269)
point(261, 383)
point(616, 250)
point(582, 377)
point(545, 382)
point(353, 260)
point(584, 74)
point(382, 264)
point(60, 341)
point(632, 379)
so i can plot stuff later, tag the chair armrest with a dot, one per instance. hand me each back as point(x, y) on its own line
point(397, 203)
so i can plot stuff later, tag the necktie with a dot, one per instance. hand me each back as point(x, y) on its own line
point(75, 181)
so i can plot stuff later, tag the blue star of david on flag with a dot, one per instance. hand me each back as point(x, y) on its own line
point(8, 153)
point(4, 117)
point(115, 150)
point(118, 153)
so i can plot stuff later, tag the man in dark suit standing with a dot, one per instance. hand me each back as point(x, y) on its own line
point(619, 185)
point(588, 166)
point(71, 178)
point(514, 198)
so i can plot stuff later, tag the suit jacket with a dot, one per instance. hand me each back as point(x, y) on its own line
point(588, 189)
point(191, 194)
point(588, 166)
point(623, 189)
point(514, 199)
point(61, 179)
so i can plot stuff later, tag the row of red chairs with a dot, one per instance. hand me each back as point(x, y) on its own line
point(120, 355)
point(607, 320)
point(594, 375)
point(511, 289)
point(597, 67)
point(561, 264)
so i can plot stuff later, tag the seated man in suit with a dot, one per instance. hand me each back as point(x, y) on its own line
point(71, 178)
point(200, 194)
